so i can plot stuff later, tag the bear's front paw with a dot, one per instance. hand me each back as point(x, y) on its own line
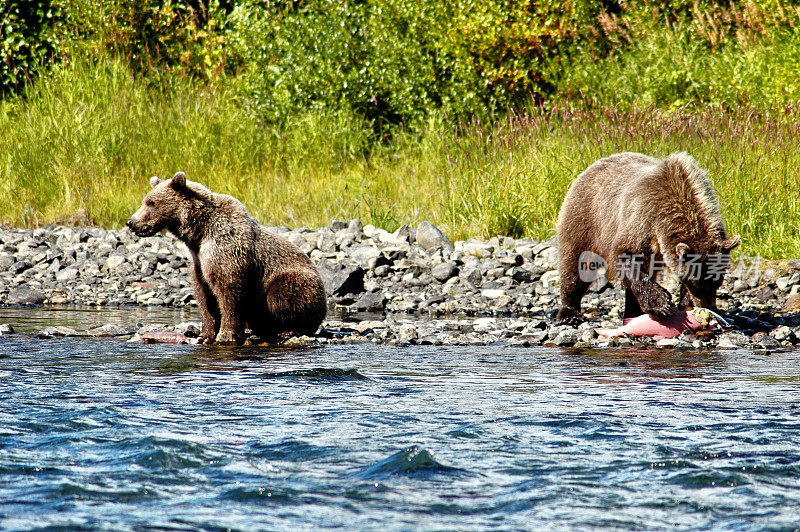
point(228, 338)
point(207, 336)
point(664, 309)
point(568, 316)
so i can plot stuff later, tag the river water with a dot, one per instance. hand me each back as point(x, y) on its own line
point(101, 434)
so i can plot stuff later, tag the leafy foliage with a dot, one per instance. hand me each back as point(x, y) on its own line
point(149, 34)
point(26, 40)
point(392, 61)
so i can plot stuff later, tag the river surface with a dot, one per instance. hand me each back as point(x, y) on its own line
point(101, 434)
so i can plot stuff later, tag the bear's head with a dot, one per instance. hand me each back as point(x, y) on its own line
point(701, 268)
point(164, 207)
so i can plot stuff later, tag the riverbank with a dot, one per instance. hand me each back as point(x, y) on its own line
point(415, 286)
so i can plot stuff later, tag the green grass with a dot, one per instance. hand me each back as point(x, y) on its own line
point(82, 144)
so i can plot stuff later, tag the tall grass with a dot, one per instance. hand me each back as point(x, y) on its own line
point(723, 53)
point(514, 174)
point(81, 145)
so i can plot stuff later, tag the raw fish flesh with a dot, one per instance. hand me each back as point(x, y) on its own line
point(645, 325)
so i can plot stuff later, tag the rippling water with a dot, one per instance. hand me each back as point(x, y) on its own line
point(101, 434)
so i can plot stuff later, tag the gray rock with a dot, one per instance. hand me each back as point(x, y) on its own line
point(6, 261)
point(521, 275)
point(732, 340)
point(340, 279)
point(444, 271)
point(550, 278)
point(356, 227)
point(566, 338)
point(370, 302)
point(363, 253)
point(337, 226)
point(492, 293)
point(768, 342)
point(431, 237)
point(404, 234)
point(58, 331)
point(19, 267)
point(188, 329)
point(472, 275)
point(484, 324)
point(783, 333)
point(532, 338)
point(740, 286)
point(25, 295)
point(782, 283)
point(109, 330)
point(407, 333)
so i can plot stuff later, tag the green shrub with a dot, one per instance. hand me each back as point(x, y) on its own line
point(149, 34)
point(693, 54)
point(27, 40)
point(393, 61)
point(175, 36)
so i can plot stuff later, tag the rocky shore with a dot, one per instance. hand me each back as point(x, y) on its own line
point(412, 286)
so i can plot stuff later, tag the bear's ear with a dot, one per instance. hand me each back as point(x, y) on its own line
point(154, 181)
point(179, 180)
point(681, 249)
point(730, 243)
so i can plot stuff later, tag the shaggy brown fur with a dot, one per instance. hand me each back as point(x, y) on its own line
point(631, 207)
point(243, 274)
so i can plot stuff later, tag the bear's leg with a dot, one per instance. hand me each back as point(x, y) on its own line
point(652, 298)
point(573, 288)
point(632, 308)
point(231, 324)
point(207, 303)
point(685, 298)
point(296, 303)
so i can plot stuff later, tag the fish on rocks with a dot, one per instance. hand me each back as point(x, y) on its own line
point(667, 327)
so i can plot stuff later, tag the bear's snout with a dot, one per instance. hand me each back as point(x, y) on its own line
point(138, 228)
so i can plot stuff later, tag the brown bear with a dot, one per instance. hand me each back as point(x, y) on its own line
point(243, 274)
point(642, 215)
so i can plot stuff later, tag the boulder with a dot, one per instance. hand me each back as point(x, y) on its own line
point(341, 279)
point(429, 236)
point(25, 295)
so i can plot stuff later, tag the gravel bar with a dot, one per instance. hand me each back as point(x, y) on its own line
point(412, 286)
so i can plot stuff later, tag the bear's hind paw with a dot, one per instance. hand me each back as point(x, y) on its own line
point(228, 338)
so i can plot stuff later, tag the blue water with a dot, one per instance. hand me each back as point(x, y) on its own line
point(102, 434)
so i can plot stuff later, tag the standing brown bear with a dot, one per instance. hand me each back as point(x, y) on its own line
point(642, 215)
point(243, 274)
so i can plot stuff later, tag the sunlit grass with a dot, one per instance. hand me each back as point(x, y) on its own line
point(82, 144)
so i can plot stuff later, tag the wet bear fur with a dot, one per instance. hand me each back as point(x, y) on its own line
point(243, 274)
point(629, 205)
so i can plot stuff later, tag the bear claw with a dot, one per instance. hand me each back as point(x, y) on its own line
point(227, 338)
point(568, 316)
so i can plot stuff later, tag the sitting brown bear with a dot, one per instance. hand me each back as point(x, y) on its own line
point(243, 274)
point(641, 215)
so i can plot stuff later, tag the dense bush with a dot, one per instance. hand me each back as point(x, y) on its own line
point(150, 34)
point(183, 36)
point(388, 62)
point(27, 39)
point(393, 61)
point(692, 54)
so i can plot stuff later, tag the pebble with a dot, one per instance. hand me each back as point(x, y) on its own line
point(418, 286)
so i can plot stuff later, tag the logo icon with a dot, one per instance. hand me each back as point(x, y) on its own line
point(591, 266)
